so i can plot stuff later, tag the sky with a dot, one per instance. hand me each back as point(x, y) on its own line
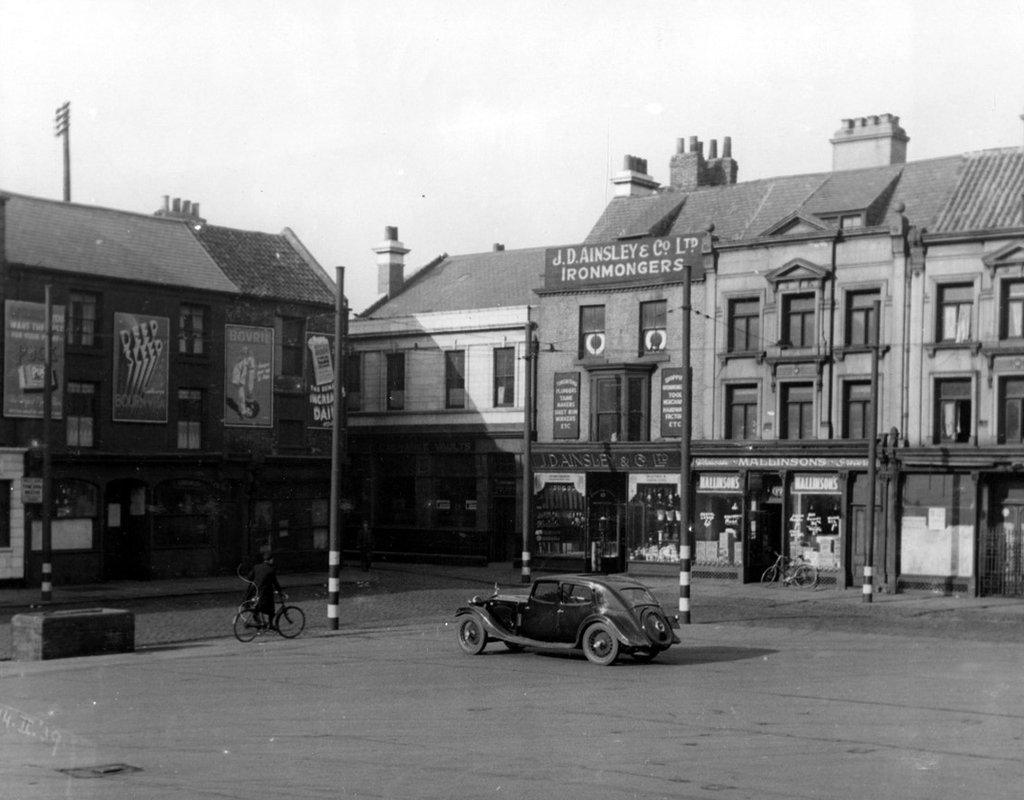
point(466, 124)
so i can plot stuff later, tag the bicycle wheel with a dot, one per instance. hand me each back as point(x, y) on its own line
point(246, 626)
point(805, 576)
point(290, 621)
point(770, 574)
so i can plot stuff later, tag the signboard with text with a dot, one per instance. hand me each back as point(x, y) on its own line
point(320, 379)
point(637, 262)
point(24, 357)
point(672, 401)
point(567, 406)
point(248, 376)
point(140, 367)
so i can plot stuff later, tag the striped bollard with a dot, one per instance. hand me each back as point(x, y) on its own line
point(46, 585)
point(868, 589)
point(684, 585)
point(526, 567)
point(333, 588)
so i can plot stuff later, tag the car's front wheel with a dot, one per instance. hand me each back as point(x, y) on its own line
point(600, 645)
point(472, 638)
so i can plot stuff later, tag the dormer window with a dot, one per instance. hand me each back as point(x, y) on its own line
point(848, 221)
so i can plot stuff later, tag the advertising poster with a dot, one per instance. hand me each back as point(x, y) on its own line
point(672, 401)
point(248, 377)
point(320, 379)
point(567, 405)
point(140, 367)
point(25, 355)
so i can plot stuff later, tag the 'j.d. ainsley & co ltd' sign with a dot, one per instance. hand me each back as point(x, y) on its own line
point(656, 259)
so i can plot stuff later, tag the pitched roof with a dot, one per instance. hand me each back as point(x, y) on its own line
point(955, 194)
point(454, 283)
point(266, 264)
point(49, 234)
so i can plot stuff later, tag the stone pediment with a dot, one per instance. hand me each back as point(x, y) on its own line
point(1012, 255)
point(796, 224)
point(798, 270)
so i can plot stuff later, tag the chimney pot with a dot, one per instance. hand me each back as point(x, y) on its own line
point(391, 233)
point(186, 207)
point(167, 203)
point(498, 247)
point(693, 144)
point(713, 149)
point(680, 145)
point(726, 147)
point(176, 205)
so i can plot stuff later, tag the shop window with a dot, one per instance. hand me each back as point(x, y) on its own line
point(185, 514)
point(397, 506)
point(797, 411)
point(619, 403)
point(652, 523)
point(74, 510)
point(741, 412)
point(192, 330)
point(504, 377)
point(744, 325)
point(560, 519)
point(80, 414)
point(1011, 312)
point(592, 335)
point(1011, 411)
point(395, 368)
point(354, 382)
point(798, 320)
point(860, 317)
point(652, 327)
point(291, 346)
point(953, 421)
point(455, 379)
point(815, 520)
point(937, 526)
point(718, 515)
point(954, 322)
point(190, 419)
point(81, 319)
point(856, 409)
point(5, 513)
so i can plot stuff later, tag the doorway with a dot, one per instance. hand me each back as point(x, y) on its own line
point(765, 537)
point(1002, 560)
point(606, 502)
point(126, 531)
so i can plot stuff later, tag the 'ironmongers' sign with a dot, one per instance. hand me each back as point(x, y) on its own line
point(654, 260)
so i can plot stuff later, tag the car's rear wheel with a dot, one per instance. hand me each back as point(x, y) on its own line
point(472, 638)
point(600, 645)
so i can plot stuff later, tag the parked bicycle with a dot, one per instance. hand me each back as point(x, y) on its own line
point(289, 621)
point(792, 572)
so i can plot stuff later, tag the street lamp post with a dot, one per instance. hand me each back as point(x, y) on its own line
point(46, 582)
point(685, 532)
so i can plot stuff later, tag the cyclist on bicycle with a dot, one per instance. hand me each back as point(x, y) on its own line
point(263, 580)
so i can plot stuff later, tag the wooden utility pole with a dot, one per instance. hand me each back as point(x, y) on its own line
point(62, 127)
point(339, 454)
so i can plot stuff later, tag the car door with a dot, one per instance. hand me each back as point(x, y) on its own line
point(577, 603)
point(541, 612)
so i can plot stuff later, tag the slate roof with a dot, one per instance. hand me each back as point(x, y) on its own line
point(956, 194)
point(49, 234)
point(265, 264)
point(167, 251)
point(454, 283)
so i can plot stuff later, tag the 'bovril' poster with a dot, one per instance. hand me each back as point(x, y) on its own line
point(248, 376)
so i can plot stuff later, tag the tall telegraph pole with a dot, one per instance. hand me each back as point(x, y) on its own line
point(62, 127)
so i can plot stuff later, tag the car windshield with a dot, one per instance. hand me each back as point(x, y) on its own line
point(637, 596)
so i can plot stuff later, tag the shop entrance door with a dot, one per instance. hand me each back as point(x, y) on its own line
point(764, 529)
point(1002, 563)
point(606, 496)
point(126, 532)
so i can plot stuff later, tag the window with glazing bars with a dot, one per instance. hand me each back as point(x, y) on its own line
point(395, 379)
point(953, 421)
point(1011, 314)
point(191, 330)
point(652, 327)
point(80, 328)
point(798, 320)
point(741, 412)
point(190, 419)
point(744, 325)
point(1011, 408)
point(798, 411)
point(504, 376)
point(80, 414)
point(860, 317)
point(955, 302)
point(856, 409)
point(455, 379)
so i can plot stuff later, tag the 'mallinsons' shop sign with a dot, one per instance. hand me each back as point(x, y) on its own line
point(658, 259)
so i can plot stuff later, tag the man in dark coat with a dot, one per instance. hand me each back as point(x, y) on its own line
point(264, 580)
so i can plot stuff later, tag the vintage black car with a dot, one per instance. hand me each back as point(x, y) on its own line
point(604, 615)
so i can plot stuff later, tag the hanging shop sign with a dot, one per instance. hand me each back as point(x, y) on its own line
point(248, 374)
point(320, 379)
point(816, 484)
point(672, 401)
point(567, 406)
point(636, 262)
point(140, 367)
point(24, 357)
point(718, 483)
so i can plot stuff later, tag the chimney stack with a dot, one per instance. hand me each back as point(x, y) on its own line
point(689, 170)
point(390, 263)
point(179, 209)
point(875, 141)
point(634, 181)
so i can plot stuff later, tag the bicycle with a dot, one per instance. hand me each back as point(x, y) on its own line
point(289, 621)
point(796, 572)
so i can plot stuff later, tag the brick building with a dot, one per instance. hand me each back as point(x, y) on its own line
point(183, 435)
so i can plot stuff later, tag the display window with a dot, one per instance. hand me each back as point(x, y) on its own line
point(815, 520)
point(653, 518)
point(718, 520)
point(561, 517)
